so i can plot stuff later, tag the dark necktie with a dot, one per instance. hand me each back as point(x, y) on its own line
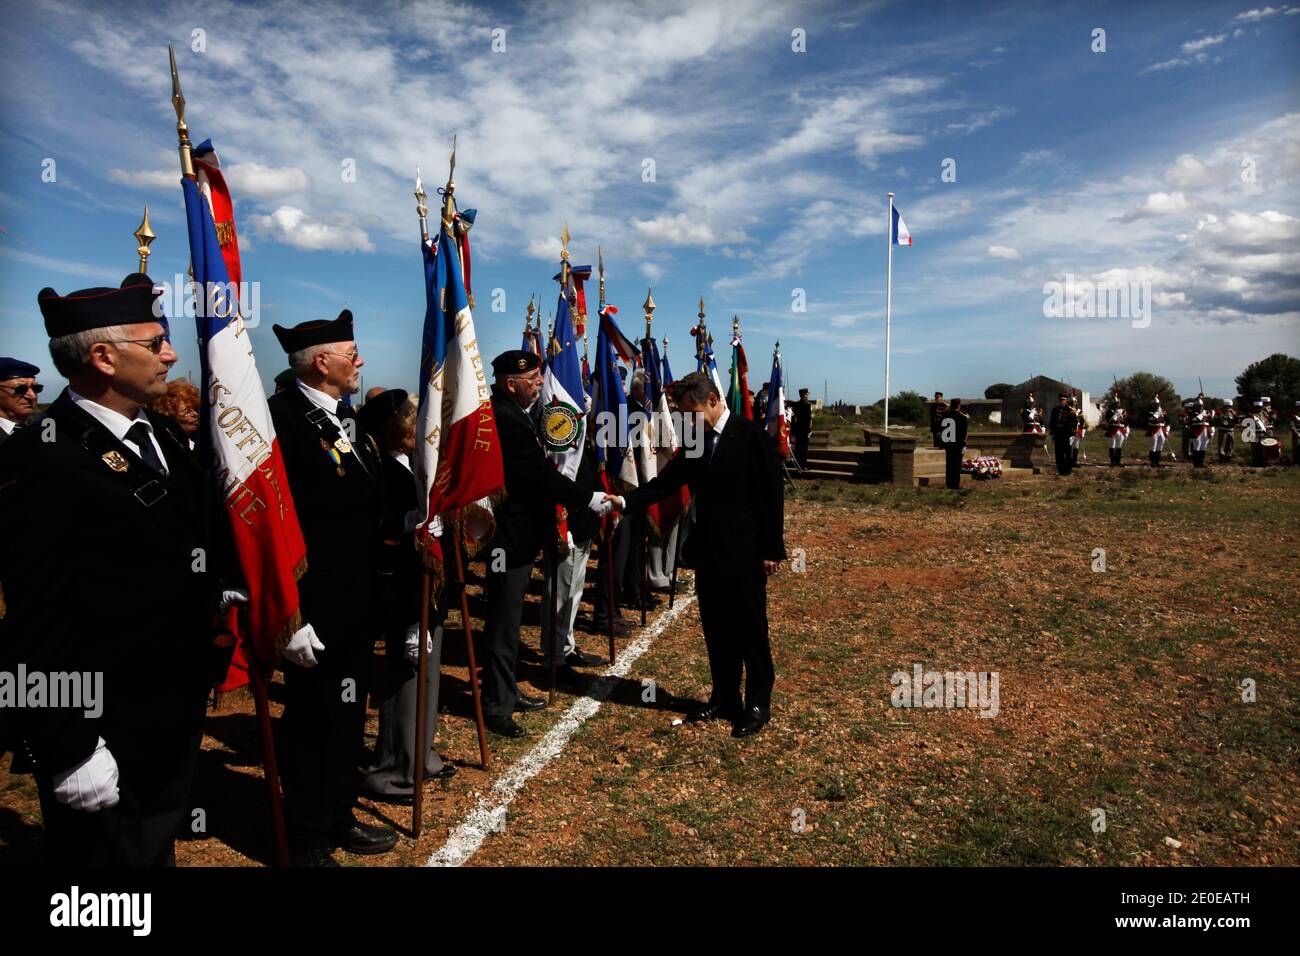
point(347, 416)
point(139, 433)
point(710, 442)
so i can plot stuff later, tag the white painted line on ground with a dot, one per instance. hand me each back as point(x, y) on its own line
point(488, 815)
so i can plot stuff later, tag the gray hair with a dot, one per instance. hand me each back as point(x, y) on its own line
point(71, 353)
point(303, 359)
point(697, 387)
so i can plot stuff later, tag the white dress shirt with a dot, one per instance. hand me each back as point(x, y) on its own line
point(119, 424)
point(7, 426)
point(330, 405)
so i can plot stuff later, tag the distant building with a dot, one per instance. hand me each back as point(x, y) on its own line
point(1045, 392)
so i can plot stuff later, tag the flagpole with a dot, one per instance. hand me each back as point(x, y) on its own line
point(607, 549)
point(889, 294)
point(649, 307)
point(672, 575)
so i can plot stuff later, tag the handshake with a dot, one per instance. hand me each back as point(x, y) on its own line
point(603, 504)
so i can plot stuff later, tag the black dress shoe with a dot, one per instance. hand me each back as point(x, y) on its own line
point(523, 703)
point(601, 626)
point(446, 773)
point(712, 711)
point(366, 840)
point(505, 727)
point(317, 857)
point(579, 659)
point(751, 722)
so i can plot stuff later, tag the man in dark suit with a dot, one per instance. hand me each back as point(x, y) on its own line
point(950, 433)
point(737, 541)
point(335, 476)
point(18, 391)
point(525, 524)
point(109, 574)
point(938, 410)
point(802, 427)
point(1062, 425)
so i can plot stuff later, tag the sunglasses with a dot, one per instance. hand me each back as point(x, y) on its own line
point(21, 390)
point(154, 344)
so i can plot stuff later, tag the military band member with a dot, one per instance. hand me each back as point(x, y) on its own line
point(1117, 429)
point(1157, 430)
point(101, 508)
point(1063, 422)
point(18, 394)
point(1224, 421)
point(1255, 431)
point(525, 524)
point(1032, 416)
point(335, 476)
point(1198, 429)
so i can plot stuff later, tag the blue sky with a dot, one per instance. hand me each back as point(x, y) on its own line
point(771, 168)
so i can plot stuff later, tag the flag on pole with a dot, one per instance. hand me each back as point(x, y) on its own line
point(458, 459)
point(236, 433)
point(609, 400)
point(738, 399)
point(777, 426)
point(564, 404)
point(898, 233)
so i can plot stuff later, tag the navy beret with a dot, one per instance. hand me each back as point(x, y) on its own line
point(136, 300)
point(316, 332)
point(375, 413)
point(515, 362)
point(16, 368)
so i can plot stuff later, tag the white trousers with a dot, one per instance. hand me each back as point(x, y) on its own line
point(1158, 441)
point(1201, 441)
point(572, 575)
point(1117, 439)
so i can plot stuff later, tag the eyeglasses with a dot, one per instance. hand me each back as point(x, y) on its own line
point(350, 356)
point(154, 344)
point(21, 390)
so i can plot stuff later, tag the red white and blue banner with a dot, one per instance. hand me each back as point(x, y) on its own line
point(236, 437)
point(898, 233)
point(564, 403)
point(457, 463)
point(609, 401)
point(777, 426)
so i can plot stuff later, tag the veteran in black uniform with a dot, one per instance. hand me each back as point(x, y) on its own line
point(801, 425)
point(335, 476)
point(525, 525)
point(18, 394)
point(737, 541)
point(951, 434)
point(1062, 424)
point(106, 571)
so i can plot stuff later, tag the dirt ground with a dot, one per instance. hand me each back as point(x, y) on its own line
point(1148, 708)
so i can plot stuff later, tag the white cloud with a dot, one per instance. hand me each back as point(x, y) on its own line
point(1196, 46)
point(873, 143)
point(1003, 252)
point(294, 227)
point(652, 271)
point(1261, 13)
point(682, 230)
point(147, 178)
point(255, 181)
point(1158, 204)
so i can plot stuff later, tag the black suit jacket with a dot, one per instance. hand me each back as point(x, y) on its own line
point(961, 425)
point(101, 574)
point(739, 499)
point(340, 515)
point(1063, 421)
point(526, 518)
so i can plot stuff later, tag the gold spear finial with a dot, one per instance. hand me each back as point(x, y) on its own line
point(449, 206)
point(528, 319)
point(144, 235)
point(701, 308)
point(735, 325)
point(600, 256)
point(649, 304)
point(421, 209)
point(182, 131)
point(564, 240)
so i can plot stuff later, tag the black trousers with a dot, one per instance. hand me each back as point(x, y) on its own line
point(733, 614)
point(140, 830)
point(952, 466)
point(1064, 456)
point(801, 450)
point(505, 609)
point(322, 732)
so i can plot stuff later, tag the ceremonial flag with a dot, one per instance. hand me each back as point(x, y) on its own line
point(738, 399)
point(564, 405)
point(457, 463)
point(613, 450)
point(777, 426)
point(212, 184)
point(533, 342)
point(236, 435)
point(899, 235)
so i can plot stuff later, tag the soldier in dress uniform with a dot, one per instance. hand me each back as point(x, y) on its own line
point(938, 409)
point(102, 507)
point(1080, 428)
point(1295, 434)
point(18, 391)
point(1062, 425)
point(1225, 421)
point(335, 476)
point(1157, 430)
point(525, 524)
point(1255, 430)
point(1198, 431)
point(1031, 416)
point(1116, 422)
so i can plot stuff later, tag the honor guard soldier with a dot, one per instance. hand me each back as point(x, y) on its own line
point(525, 525)
point(1080, 428)
point(1198, 431)
point(1157, 430)
point(938, 409)
point(1116, 422)
point(336, 480)
point(1063, 422)
point(1295, 434)
point(108, 579)
point(18, 391)
point(1255, 431)
point(1225, 421)
point(1031, 416)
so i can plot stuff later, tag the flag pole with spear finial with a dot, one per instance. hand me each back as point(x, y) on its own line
point(672, 575)
point(144, 237)
point(257, 670)
point(649, 307)
point(607, 557)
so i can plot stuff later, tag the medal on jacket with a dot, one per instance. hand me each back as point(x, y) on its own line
point(334, 454)
point(114, 461)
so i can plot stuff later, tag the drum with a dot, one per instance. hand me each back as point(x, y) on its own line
point(1272, 449)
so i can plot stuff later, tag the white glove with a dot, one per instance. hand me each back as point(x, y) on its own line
point(617, 504)
point(412, 649)
point(92, 784)
point(598, 503)
point(233, 596)
point(302, 647)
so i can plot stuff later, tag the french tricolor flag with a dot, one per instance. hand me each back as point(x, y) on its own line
point(899, 235)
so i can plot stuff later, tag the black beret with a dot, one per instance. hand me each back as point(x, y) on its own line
point(136, 300)
point(16, 368)
point(375, 413)
point(515, 362)
point(285, 378)
point(316, 332)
